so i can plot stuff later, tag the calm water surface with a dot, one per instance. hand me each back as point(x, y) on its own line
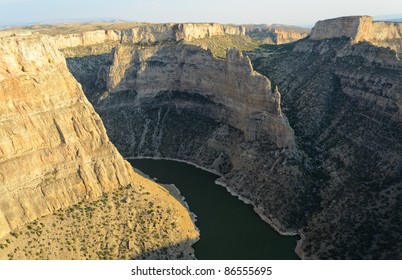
point(229, 228)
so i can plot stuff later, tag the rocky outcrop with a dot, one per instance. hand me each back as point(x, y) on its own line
point(191, 31)
point(152, 33)
point(360, 28)
point(276, 34)
point(252, 105)
point(85, 38)
point(54, 150)
point(147, 33)
point(284, 37)
point(343, 100)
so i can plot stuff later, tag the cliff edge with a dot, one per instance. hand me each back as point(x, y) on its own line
point(54, 150)
point(359, 29)
point(252, 105)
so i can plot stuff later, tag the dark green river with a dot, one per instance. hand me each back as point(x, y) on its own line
point(230, 229)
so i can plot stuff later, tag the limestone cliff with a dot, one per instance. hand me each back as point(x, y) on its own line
point(361, 28)
point(146, 33)
point(276, 34)
point(284, 37)
point(54, 150)
point(253, 106)
point(191, 31)
point(85, 38)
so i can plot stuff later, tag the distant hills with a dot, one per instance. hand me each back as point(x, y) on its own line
point(4, 25)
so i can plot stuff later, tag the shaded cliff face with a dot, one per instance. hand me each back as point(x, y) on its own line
point(343, 100)
point(179, 101)
point(54, 151)
point(361, 28)
point(251, 104)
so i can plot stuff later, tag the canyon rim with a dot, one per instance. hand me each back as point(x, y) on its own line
point(305, 126)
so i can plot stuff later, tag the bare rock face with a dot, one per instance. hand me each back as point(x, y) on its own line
point(147, 33)
point(276, 34)
point(350, 27)
point(253, 105)
point(191, 31)
point(54, 151)
point(360, 28)
point(284, 37)
point(151, 33)
point(85, 38)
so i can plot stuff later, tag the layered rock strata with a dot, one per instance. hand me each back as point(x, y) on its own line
point(179, 101)
point(343, 100)
point(148, 33)
point(153, 33)
point(361, 28)
point(54, 150)
point(276, 34)
point(252, 105)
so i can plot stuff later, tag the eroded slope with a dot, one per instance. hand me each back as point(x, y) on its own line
point(343, 100)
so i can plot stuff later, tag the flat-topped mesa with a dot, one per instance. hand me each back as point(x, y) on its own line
point(54, 151)
point(251, 104)
point(360, 28)
point(148, 33)
point(191, 31)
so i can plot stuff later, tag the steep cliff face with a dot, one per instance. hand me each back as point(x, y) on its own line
point(361, 28)
point(191, 31)
point(251, 104)
point(87, 38)
point(343, 100)
point(284, 37)
point(276, 34)
point(147, 33)
point(179, 101)
point(54, 151)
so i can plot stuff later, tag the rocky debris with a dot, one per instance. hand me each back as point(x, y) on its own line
point(54, 150)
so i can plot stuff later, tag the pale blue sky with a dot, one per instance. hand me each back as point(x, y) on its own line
point(225, 11)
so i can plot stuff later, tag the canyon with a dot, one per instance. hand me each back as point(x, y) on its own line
point(305, 129)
